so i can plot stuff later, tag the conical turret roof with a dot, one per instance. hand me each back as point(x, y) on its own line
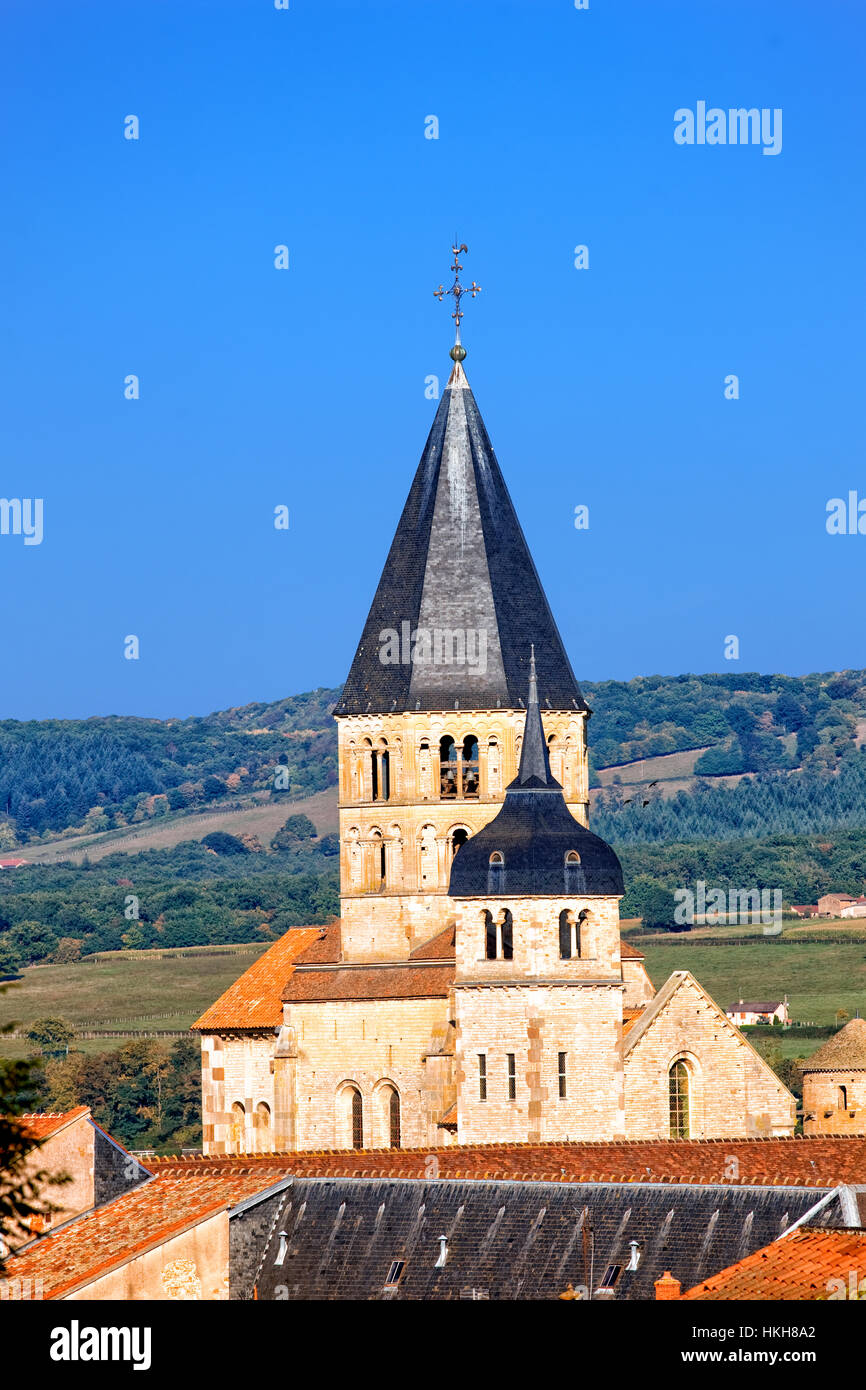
point(845, 1051)
point(458, 583)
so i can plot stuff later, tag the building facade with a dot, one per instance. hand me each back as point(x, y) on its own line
point(475, 988)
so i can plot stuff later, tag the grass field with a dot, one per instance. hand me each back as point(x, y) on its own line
point(817, 978)
point(262, 818)
point(126, 986)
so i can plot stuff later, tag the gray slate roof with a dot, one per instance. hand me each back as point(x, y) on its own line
point(506, 1240)
point(459, 561)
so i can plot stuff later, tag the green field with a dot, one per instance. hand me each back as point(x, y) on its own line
point(818, 979)
point(126, 986)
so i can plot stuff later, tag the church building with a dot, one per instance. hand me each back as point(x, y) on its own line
point(475, 988)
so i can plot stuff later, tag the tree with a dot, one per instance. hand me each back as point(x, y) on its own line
point(51, 1034)
point(20, 1182)
point(649, 900)
point(721, 761)
point(10, 961)
point(296, 828)
point(32, 941)
point(222, 843)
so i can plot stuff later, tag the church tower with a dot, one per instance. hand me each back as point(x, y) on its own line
point(475, 989)
point(539, 985)
point(431, 717)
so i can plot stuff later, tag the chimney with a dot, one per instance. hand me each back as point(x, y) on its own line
point(667, 1287)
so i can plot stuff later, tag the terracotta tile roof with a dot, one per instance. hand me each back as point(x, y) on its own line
point(629, 952)
point(327, 948)
point(630, 1016)
point(439, 947)
point(799, 1266)
point(43, 1125)
point(253, 1001)
point(138, 1221)
point(813, 1162)
point(370, 982)
point(845, 1051)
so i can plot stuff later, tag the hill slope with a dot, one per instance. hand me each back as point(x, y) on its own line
point(119, 774)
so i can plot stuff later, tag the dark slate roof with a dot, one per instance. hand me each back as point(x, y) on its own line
point(459, 561)
point(506, 1240)
point(534, 832)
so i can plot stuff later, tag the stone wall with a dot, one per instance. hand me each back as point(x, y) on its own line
point(374, 1047)
point(237, 1070)
point(534, 1025)
point(732, 1091)
point(821, 1094)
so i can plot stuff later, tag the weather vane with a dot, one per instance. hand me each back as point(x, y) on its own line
point(458, 352)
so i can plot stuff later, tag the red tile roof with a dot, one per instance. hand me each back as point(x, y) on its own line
point(327, 949)
point(629, 952)
point(253, 1001)
point(140, 1220)
point(439, 947)
point(813, 1162)
point(44, 1124)
point(799, 1266)
point(629, 1017)
point(370, 982)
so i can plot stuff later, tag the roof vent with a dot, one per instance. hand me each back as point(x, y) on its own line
point(634, 1258)
point(443, 1253)
point(284, 1248)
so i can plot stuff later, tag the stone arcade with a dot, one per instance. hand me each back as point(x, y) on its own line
point(475, 988)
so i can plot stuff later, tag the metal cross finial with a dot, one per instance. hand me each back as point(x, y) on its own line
point(457, 289)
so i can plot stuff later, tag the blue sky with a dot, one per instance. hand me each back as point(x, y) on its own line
point(305, 387)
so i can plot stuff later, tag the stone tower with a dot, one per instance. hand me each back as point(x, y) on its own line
point(538, 986)
point(834, 1083)
point(431, 718)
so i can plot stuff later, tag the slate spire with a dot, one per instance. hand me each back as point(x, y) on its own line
point(459, 601)
point(534, 770)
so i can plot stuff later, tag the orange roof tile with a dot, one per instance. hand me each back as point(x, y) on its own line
point(811, 1162)
point(799, 1266)
point(629, 952)
point(439, 947)
point(370, 982)
point(44, 1124)
point(253, 1001)
point(630, 1017)
point(140, 1220)
point(327, 948)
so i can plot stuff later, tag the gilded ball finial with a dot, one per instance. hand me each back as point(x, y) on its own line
point(457, 353)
